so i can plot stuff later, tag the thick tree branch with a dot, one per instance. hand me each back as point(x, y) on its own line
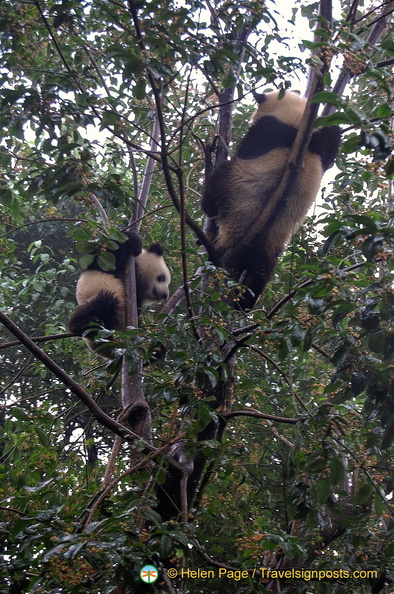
point(148, 175)
point(73, 386)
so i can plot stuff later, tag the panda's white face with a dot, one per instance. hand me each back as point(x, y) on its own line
point(153, 278)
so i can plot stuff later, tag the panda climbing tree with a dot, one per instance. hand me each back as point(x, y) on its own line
point(243, 189)
point(249, 425)
point(101, 294)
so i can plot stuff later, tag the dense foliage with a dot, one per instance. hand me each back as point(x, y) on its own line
point(294, 469)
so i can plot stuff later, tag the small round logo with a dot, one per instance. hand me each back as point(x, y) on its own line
point(149, 574)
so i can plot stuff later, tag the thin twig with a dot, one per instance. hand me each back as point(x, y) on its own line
point(101, 210)
point(13, 343)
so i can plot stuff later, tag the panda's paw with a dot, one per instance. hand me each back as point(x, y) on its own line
point(133, 244)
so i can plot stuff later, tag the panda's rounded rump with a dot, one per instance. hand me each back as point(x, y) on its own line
point(93, 282)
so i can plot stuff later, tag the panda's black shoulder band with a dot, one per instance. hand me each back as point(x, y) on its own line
point(266, 135)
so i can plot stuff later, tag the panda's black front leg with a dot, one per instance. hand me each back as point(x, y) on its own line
point(214, 201)
point(325, 143)
point(215, 194)
point(131, 247)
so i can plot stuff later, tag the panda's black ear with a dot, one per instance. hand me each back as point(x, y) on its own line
point(156, 248)
point(260, 97)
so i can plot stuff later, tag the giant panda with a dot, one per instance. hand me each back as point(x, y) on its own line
point(101, 296)
point(239, 190)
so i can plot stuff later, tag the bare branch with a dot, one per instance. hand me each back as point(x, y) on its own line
point(101, 210)
point(6, 345)
point(57, 46)
point(111, 462)
point(250, 412)
point(147, 180)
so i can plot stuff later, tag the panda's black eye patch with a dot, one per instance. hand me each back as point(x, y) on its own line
point(161, 278)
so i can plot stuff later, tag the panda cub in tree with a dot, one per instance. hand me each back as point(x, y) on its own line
point(239, 190)
point(101, 296)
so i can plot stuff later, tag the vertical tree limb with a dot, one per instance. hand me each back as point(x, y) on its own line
point(373, 38)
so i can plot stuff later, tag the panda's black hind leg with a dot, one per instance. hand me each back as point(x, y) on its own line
point(100, 310)
point(252, 266)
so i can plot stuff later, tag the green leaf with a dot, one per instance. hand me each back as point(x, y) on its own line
point(86, 260)
point(6, 198)
point(139, 89)
point(165, 546)
point(336, 470)
point(297, 335)
point(327, 97)
point(372, 246)
point(384, 110)
point(323, 490)
point(316, 306)
point(340, 355)
point(390, 168)
point(363, 494)
point(212, 374)
point(284, 348)
point(335, 119)
point(377, 342)
point(389, 550)
point(388, 44)
point(330, 242)
point(204, 417)
point(20, 414)
point(316, 463)
point(106, 261)
point(109, 119)
point(379, 506)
